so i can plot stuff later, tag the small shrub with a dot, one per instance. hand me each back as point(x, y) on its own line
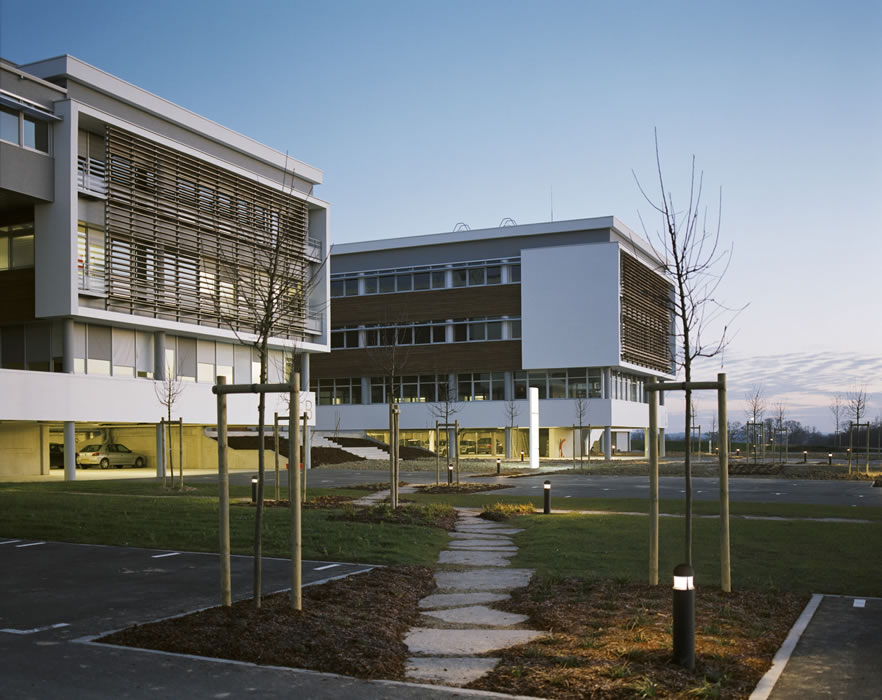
point(504, 511)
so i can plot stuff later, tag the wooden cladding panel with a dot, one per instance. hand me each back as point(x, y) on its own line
point(17, 293)
point(497, 356)
point(646, 316)
point(438, 304)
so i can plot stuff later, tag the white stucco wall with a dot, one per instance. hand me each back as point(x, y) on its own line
point(570, 306)
point(45, 396)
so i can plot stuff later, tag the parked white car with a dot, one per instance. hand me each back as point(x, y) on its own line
point(111, 454)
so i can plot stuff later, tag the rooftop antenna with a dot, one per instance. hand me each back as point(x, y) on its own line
point(461, 226)
point(507, 221)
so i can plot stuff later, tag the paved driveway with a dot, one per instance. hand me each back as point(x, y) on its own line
point(57, 596)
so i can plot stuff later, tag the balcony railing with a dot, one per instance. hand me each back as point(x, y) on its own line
point(91, 175)
point(314, 322)
point(91, 277)
point(314, 249)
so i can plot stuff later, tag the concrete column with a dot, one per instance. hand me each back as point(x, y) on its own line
point(70, 439)
point(607, 443)
point(70, 451)
point(534, 427)
point(508, 442)
point(45, 458)
point(159, 355)
point(304, 384)
point(646, 439)
point(67, 351)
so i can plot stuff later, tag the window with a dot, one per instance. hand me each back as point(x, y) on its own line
point(514, 273)
point(16, 246)
point(91, 259)
point(24, 130)
point(481, 386)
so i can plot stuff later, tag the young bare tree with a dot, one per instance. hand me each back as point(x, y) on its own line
point(581, 409)
point(512, 411)
point(837, 408)
point(262, 289)
point(754, 412)
point(444, 410)
point(857, 403)
point(168, 391)
point(688, 244)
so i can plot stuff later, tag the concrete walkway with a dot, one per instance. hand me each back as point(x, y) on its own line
point(459, 624)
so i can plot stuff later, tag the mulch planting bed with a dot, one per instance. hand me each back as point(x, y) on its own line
point(613, 640)
point(461, 488)
point(354, 626)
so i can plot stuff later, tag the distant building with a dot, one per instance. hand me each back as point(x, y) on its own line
point(129, 233)
point(457, 326)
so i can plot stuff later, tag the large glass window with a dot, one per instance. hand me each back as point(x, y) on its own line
point(8, 125)
point(24, 130)
point(16, 246)
point(481, 386)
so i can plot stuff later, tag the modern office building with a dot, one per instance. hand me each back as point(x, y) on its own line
point(458, 326)
point(135, 244)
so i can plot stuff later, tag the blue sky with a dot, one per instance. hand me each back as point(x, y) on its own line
point(426, 114)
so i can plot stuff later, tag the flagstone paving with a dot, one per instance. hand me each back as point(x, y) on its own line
point(458, 622)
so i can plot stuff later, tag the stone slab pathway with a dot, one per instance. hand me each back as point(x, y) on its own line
point(459, 622)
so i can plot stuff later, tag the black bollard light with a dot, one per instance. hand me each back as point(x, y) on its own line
point(804, 456)
point(449, 474)
point(547, 497)
point(684, 616)
point(829, 458)
point(522, 455)
point(254, 489)
point(498, 466)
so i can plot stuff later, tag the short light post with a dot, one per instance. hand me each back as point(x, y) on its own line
point(829, 458)
point(254, 489)
point(547, 497)
point(804, 456)
point(498, 466)
point(737, 451)
point(449, 474)
point(522, 455)
point(684, 616)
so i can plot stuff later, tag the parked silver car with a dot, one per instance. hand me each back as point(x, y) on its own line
point(110, 454)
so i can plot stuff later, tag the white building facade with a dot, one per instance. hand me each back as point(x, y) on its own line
point(134, 240)
point(457, 327)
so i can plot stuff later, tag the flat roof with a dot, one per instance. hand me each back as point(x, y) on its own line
point(483, 234)
point(79, 71)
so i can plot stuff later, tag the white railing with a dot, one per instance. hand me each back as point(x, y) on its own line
point(91, 175)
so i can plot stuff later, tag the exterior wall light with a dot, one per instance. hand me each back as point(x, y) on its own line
point(547, 497)
point(684, 616)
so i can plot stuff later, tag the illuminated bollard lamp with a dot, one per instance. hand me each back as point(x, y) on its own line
point(498, 465)
point(547, 497)
point(829, 458)
point(804, 456)
point(684, 616)
point(449, 474)
point(254, 489)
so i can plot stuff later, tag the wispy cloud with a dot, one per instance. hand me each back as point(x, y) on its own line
point(804, 382)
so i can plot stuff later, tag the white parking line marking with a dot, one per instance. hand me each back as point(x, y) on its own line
point(10, 541)
point(170, 554)
point(36, 629)
point(29, 544)
point(327, 566)
point(860, 603)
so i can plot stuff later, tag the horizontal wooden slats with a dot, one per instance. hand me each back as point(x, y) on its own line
point(187, 240)
point(496, 356)
point(646, 316)
point(403, 307)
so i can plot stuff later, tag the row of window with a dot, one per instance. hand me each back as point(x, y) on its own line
point(453, 331)
point(122, 352)
point(23, 130)
point(16, 246)
point(572, 383)
point(419, 279)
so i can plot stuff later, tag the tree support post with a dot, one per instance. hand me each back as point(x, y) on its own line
point(294, 494)
point(223, 480)
point(652, 440)
point(725, 569)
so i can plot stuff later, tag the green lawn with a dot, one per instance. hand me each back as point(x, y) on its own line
point(127, 513)
point(787, 555)
point(802, 555)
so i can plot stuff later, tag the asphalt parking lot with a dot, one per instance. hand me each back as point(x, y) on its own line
point(57, 597)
